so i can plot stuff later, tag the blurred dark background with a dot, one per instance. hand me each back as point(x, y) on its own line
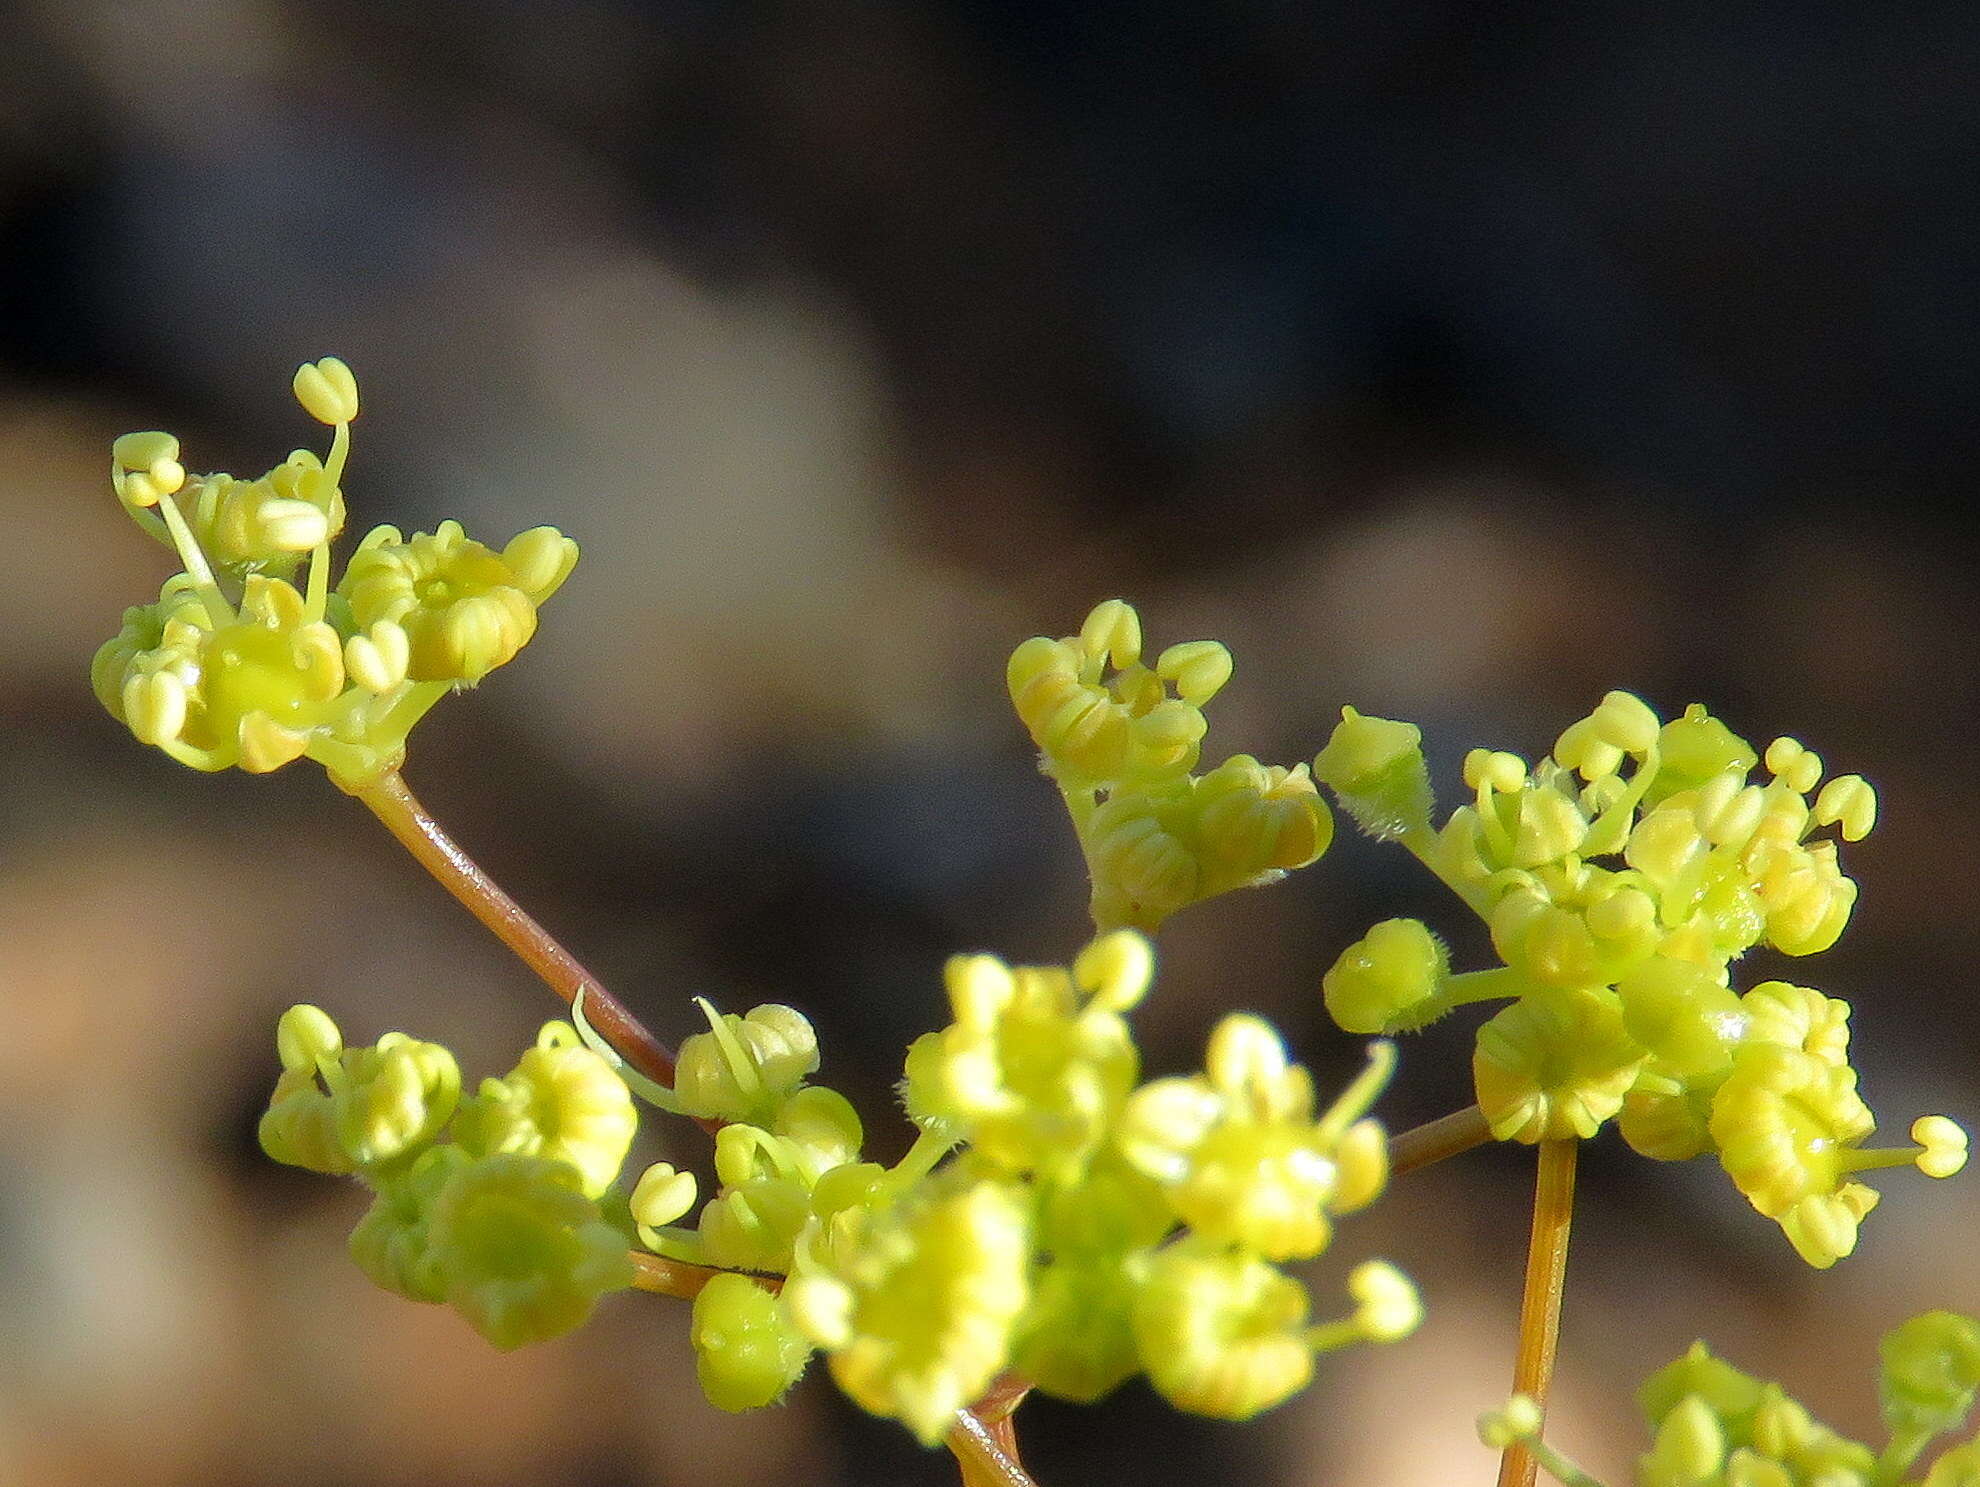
point(1457, 362)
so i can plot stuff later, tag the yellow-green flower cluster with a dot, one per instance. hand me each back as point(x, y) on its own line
point(1620, 878)
point(501, 1221)
point(1714, 1426)
point(234, 665)
point(1055, 1216)
point(1122, 739)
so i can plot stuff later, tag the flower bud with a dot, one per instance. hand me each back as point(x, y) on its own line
point(1690, 1446)
point(561, 1101)
point(1376, 768)
point(743, 1068)
point(746, 1352)
point(1390, 980)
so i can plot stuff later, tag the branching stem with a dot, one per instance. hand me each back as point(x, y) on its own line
point(1540, 1307)
point(986, 1452)
point(395, 805)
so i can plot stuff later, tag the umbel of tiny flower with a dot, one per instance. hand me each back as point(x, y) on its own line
point(1122, 740)
point(1050, 1217)
point(1714, 1426)
point(236, 666)
point(1621, 877)
point(501, 1222)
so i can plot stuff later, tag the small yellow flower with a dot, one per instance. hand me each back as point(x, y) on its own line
point(916, 1304)
point(518, 1250)
point(464, 608)
point(1222, 1334)
point(1555, 1064)
point(561, 1101)
point(1038, 1061)
point(1239, 1152)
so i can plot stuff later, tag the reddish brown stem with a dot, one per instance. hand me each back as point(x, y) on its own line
point(392, 803)
point(1540, 1307)
point(1437, 1139)
point(986, 1454)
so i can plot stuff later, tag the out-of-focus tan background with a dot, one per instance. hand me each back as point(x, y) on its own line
point(1458, 363)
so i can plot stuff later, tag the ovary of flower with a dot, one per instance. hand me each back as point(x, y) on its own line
point(561, 1101)
point(1557, 1063)
point(1237, 1148)
point(1376, 768)
point(1390, 980)
point(1222, 1334)
point(746, 1353)
point(916, 1303)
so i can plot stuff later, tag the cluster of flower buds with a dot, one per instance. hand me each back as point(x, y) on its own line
point(234, 665)
point(1054, 1217)
point(1714, 1426)
point(1620, 878)
point(1123, 739)
point(487, 1202)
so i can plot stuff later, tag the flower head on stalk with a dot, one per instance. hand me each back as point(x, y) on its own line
point(1621, 877)
point(1122, 739)
point(236, 666)
point(488, 1205)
